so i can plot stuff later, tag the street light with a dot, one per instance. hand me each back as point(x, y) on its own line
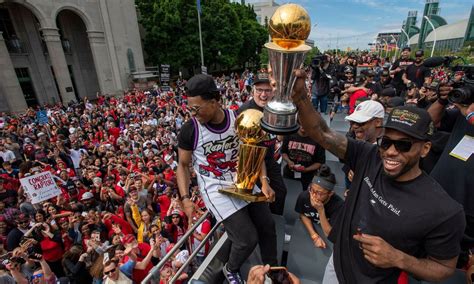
point(396, 45)
point(408, 39)
point(434, 30)
point(386, 47)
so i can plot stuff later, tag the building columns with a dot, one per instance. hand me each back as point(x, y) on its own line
point(102, 64)
point(58, 61)
point(10, 87)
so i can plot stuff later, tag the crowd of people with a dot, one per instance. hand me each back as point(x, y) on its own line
point(136, 171)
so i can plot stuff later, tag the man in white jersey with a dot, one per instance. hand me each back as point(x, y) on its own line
point(209, 143)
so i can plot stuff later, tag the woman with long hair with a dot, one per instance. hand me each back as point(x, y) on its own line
point(144, 220)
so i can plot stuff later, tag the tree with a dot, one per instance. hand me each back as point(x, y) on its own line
point(230, 33)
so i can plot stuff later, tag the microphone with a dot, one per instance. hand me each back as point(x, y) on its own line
point(438, 61)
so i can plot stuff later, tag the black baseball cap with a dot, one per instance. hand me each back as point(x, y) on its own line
point(419, 53)
point(406, 48)
point(262, 77)
point(201, 84)
point(413, 121)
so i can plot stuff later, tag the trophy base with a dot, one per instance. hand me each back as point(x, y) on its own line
point(279, 119)
point(234, 192)
point(277, 130)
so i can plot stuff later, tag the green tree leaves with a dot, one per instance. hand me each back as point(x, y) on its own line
point(231, 35)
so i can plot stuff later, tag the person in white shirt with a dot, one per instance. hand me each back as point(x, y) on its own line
point(7, 155)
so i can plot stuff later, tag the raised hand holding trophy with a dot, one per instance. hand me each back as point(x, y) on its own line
point(289, 27)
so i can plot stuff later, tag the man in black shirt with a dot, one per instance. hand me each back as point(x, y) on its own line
point(303, 157)
point(399, 68)
point(262, 93)
point(318, 205)
point(416, 72)
point(396, 218)
point(453, 172)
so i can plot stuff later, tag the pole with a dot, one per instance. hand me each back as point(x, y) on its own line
point(200, 37)
point(408, 39)
point(386, 47)
point(396, 45)
point(434, 30)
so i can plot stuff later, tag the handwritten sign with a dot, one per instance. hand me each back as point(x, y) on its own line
point(40, 187)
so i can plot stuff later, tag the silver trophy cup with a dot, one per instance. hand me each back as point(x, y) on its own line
point(279, 115)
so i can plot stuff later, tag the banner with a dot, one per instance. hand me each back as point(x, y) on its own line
point(40, 187)
point(165, 77)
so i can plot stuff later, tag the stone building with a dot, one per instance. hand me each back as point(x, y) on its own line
point(62, 50)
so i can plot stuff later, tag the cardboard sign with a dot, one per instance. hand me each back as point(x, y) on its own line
point(40, 187)
point(42, 117)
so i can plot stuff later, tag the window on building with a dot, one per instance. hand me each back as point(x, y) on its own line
point(6, 25)
point(26, 85)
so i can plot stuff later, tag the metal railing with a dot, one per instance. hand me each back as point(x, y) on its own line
point(156, 270)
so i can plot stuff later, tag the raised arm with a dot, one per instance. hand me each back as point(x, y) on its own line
point(184, 178)
point(312, 121)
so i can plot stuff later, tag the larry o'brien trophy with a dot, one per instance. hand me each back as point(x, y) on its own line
point(251, 156)
point(289, 27)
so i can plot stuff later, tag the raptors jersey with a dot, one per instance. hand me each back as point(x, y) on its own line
point(215, 162)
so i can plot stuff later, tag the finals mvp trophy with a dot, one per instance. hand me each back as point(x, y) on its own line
point(289, 27)
point(251, 156)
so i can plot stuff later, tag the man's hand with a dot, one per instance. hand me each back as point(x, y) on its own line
point(300, 92)
point(268, 192)
point(257, 274)
point(318, 242)
point(318, 205)
point(188, 208)
point(444, 91)
point(470, 274)
point(378, 252)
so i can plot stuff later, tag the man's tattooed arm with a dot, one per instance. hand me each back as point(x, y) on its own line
point(312, 122)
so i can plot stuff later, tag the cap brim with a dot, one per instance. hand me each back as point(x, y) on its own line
point(261, 81)
point(358, 117)
point(409, 133)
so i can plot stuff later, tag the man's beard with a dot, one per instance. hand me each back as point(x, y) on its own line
point(404, 170)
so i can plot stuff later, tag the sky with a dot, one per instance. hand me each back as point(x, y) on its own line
point(355, 23)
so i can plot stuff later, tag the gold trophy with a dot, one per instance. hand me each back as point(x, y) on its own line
point(251, 156)
point(289, 27)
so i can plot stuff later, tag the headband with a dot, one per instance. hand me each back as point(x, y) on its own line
point(324, 183)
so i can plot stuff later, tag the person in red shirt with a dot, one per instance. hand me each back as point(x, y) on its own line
point(114, 131)
point(145, 254)
point(164, 201)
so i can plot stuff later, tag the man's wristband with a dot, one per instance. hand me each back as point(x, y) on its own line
point(443, 102)
point(470, 118)
point(265, 177)
point(469, 115)
point(184, 197)
point(314, 236)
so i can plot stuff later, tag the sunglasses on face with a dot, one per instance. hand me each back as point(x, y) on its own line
point(23, 222)
point(194, 109)
point(400, 145)
point(110, 271)
point(36, 276)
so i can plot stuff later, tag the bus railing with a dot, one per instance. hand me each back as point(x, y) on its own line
point(155, 271)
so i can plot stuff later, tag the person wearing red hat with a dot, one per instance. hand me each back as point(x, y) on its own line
point(145, 255)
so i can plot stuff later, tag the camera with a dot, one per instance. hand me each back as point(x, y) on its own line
point(316, 61)
point(463, 92)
